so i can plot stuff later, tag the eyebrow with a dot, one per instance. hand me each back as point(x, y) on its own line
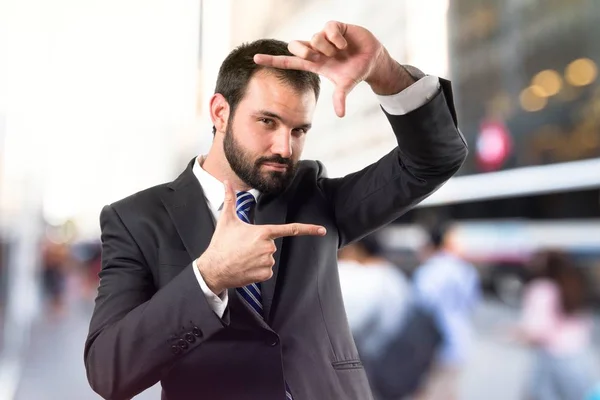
point(270, 114)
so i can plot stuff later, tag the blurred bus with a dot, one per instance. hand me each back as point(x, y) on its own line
point(501, 250)
point(503, 218)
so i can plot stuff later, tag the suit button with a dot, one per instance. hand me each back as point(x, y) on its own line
point(190, 338)
point(182, 344)
point(273, 341)
point(197, 332)
point(175, 350)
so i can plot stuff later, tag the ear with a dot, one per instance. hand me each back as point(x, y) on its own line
point(219, 112)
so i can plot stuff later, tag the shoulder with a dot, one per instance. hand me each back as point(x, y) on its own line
point(307, 177)
point(310, 169)
point(141, 200)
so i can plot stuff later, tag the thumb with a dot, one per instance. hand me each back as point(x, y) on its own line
point(228, 209)
point(339, 100)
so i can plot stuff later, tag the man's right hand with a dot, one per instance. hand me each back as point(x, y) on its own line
point(239, 253)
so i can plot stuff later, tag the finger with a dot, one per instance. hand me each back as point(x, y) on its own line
point(286, 62)
point(320, 43)
point(339, 101)
point(228, 209)
point(334, 32)
point(296, 229)
point(303, 50)
point(264, 274)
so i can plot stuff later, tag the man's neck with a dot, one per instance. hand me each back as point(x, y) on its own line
point(218, 166)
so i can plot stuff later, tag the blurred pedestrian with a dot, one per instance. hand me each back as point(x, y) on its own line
point(55, 257)
point(375, 292)
point(556, 321)
point(396, 338)
point(449, 287)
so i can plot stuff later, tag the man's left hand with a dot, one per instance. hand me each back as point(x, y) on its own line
point(346, 55)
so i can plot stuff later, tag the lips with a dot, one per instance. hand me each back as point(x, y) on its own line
point(277, 166)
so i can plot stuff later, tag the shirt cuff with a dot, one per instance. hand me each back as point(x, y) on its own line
point(416, 95)
point(217, 303)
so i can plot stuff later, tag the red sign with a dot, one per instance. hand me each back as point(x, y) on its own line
point(493, 145)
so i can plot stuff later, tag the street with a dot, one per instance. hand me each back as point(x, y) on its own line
point(53, 368)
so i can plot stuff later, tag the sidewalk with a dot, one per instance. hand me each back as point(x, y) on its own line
point(53, 368)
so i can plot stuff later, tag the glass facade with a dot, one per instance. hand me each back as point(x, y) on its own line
point(525, 75)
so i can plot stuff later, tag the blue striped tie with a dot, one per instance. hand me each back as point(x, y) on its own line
point(244, 205)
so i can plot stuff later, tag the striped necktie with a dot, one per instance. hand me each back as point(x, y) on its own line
point(244, 205)
point(243, 208)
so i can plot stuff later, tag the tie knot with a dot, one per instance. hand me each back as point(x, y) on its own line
point(243, 206)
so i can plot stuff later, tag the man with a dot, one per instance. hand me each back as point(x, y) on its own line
point(249, 306)
point(449, 288)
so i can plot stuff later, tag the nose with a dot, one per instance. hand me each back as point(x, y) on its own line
point(282, 143)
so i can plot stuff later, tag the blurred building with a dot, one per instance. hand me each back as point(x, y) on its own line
point(3, 239)
point(94, 98)
point(527, 70)
point(527, 91)
point(97, 97)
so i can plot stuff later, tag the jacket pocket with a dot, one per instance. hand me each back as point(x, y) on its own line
point(353, 380)
point(348, 364)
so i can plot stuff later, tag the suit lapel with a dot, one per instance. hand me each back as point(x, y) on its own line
point(271, 210)
point(189, 211)
point(187, 207)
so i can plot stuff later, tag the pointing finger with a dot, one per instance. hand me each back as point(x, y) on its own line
point(286, 62)
point(295, 229)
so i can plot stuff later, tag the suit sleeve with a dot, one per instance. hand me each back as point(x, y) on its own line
point(430, 150)
point(137, 333)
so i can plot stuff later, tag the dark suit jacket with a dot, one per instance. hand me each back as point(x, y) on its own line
point(152, 322)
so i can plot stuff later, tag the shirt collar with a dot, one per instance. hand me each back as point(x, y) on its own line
point(212, 187)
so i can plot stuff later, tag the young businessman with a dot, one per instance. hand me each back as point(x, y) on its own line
point(223, 284)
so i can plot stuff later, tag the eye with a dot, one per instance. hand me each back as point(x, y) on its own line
point(300, 131)
point(267, 121)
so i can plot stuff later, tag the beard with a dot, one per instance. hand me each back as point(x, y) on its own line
point(249, 170)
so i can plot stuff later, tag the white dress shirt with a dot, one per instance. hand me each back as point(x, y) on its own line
point(411, 98)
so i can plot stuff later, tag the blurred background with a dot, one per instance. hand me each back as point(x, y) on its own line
point(102, 98)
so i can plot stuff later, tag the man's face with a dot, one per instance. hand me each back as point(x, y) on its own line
point(264, 139)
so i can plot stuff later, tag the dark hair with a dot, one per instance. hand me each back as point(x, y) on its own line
point(558, 267)
point(436, 235)
point(371, 245)
point(239, 67)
